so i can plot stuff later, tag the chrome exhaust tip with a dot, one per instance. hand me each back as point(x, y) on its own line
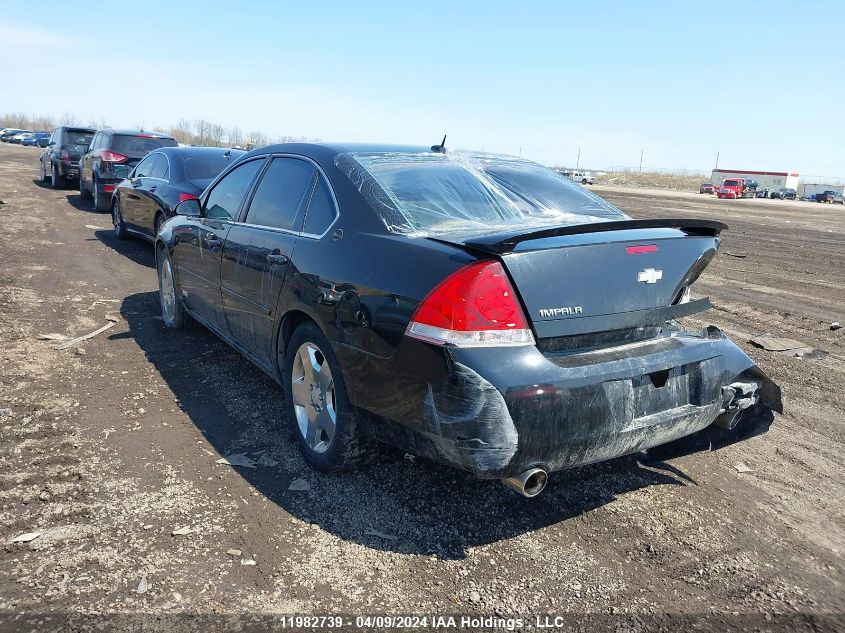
point(530, 483)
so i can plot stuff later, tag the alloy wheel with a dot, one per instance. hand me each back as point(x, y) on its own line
point(168, 291)
point(314, 402)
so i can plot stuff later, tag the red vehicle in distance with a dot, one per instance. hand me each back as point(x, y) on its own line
point(737, 188)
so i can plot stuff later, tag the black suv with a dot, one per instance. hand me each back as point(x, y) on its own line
point(112, 156)
point(60, 159)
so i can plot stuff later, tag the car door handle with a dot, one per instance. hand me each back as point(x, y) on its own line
point(212, 242)
point(277, 259)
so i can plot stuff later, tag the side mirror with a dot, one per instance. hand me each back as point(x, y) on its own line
point(190, 207)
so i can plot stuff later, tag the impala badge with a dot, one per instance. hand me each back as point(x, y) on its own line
point(650, 276)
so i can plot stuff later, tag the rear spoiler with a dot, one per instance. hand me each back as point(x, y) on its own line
point(506, 242)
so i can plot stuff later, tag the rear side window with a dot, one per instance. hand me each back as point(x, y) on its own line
point(282, 194)
point(225, 199)
point(321, 211)
point(138, 146)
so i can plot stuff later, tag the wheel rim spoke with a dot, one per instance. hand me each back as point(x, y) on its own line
point(301, 394)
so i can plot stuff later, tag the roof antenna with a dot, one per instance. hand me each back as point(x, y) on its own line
point(440, 149)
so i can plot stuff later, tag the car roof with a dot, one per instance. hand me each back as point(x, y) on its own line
point(335, 148)
point(197, 151)
point(137, 133)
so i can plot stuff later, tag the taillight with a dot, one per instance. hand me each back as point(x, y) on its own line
point(640, 249)
point(112, 157)
point(187, 196)
point(64, 155)
point(475, 306)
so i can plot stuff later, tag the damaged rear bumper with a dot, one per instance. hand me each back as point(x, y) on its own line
point(497, 412)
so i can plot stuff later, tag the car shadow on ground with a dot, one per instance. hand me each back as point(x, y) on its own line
point(399, 504)
point(137, 250)
point(75, 200)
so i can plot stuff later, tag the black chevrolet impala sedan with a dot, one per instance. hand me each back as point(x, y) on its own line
point(478, 310)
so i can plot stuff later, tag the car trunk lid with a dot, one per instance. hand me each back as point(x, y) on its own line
point(603, 276)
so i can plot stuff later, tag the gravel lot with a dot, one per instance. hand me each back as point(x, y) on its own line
point(109, 447)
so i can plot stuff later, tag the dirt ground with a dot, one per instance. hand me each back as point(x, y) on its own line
point(109, 447)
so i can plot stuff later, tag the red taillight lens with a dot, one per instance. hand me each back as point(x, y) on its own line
point(187, 196)
point(108, 188)
point(112, 157)
point(474, 306)
point(642, 248)
point(64, 155)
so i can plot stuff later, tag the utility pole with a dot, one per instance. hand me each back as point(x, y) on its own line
point(578, 160)
point(641, 160)
point(717, 161)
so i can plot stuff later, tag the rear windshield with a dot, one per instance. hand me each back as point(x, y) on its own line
point(138, 146)
point(77, 138)
point(470, 193)
point(200, 167)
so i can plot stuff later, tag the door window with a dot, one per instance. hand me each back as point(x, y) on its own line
point(161, 168)
point(145, 167)
point(321, 212)
point(282, 194)
point(225, 199)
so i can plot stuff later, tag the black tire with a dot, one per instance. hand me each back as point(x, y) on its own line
point(101, 204)
point(56, 181)
point(117, 221)
point(176, 318)
point(83, 192)
point(348, 446)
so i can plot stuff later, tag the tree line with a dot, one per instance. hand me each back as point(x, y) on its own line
point(196, 132)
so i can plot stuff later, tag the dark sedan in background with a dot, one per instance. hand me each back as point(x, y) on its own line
point(162, 180)
point(60, 159)
point(784, 193)
point(484, 311)
point(112, 155)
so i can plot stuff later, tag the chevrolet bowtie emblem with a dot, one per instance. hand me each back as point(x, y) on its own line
point(649, 276)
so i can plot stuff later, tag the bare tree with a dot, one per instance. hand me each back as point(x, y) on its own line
point(182, 132)
point(216, 134)
point(256, 139)
point(234, 137)
point(68, 119)
point(201, 131)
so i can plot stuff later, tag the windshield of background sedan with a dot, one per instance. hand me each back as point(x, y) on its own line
point(731, 183)
point(469, 193)
point(139, 146)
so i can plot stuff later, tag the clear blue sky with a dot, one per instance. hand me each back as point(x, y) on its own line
point(760, 82)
